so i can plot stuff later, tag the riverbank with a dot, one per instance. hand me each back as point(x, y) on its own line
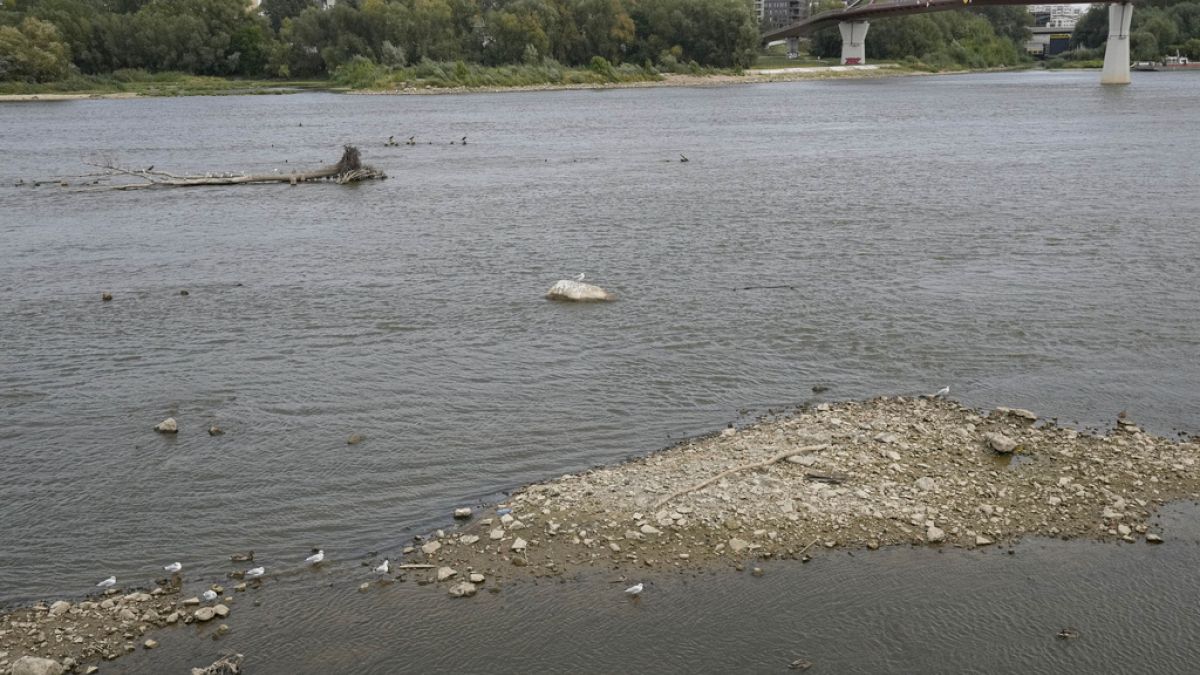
point(851, 475)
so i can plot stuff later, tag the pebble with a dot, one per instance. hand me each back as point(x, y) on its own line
point(519, 545)
point(497, 533)
point(1152, 538)
point(355, 439)
point(215, 430)
point(738, 545)
point(150, 644)
point(106, 297)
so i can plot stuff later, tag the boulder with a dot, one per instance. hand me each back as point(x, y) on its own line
point(32, 665)
point(215, 430)
point(1000, 443)
point(167, 426)
point(981, 540)
point(445, 573)
point(577, 291)
point(463, 589)
point(464, 512)
point(59, 608)
point(431, 547)
point(935, 534)
point(220, 610)
point(476, 578)
point(204, 614)
point(468, 539)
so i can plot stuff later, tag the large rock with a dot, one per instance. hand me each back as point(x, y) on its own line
point(519, 545)
point(577, 291)
point(738, 545)
point(1000, 443)
point(430, 548)
point(463, 589)
point(935, 534)
point(59, 608)
point(167, 426)
point(32, 665)
point(445, 573)
point(204, 614)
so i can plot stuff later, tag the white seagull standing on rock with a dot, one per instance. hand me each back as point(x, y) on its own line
point(315, 558)
point(209, 595)
point(256, 572)
point(384, 567)
point(943, 392)
point(634, 590)
point(107, 583)
point(173, 567)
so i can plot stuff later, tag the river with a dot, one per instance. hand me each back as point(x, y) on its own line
point(1027, 238)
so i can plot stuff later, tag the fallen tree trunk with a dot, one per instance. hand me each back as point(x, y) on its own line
point(349, 169)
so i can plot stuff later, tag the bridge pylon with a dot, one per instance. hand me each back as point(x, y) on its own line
point(1116, 50)
point(854, 42)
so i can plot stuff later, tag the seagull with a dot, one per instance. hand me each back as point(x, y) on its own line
point(580, 277)
point(209, 595)
point(107, 583)
point(464, 140)
point(634, 590)
point(384, 567)
point(944, 391)
point(682, 158)
point(256, 572)
point(315, 558)
point(173, 567)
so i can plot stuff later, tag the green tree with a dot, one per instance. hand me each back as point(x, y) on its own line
point(278, 10)
point(33, 52)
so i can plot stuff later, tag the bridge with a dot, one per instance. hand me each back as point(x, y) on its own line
point(854, 20)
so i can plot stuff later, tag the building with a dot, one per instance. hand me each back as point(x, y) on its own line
point(1057, 16)
point(778, 13)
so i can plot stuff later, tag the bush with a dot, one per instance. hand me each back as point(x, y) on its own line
point(358, 73)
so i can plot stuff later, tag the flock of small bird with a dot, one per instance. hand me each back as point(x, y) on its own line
point(412, 140)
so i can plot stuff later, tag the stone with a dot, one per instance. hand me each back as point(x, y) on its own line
point(468, 539)
point(445, 573)
point(886, 437)
point(925, 483)
point(223, 629)
point(757, 571)
point(355, 439)
point(803, 460)
point(464, 512)
point(173, 617)
point(935, 534)
point(463, 589)
point(981, 540)
point(507, 519)
point(1000, 443)
point(1054, 501)
point(497, 533)
point(1124, 530)
point(362, 588)
point(106, 297)
point(33, 665)
point(1152, 538)
point(221, 610)
point(150, 644)
point(519, 545)
point(476, 578)
point(215, 430)
point(577, 291)
point(167, 426)
point(650, 529)
point(204, 614)
point(190, 601)
point(126, 614)
point(431, 547)
point(59, 608)
point(1018, 412)
point(738, 545)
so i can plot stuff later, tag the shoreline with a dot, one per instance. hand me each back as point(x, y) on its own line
point(889, 471)
point(749, 76)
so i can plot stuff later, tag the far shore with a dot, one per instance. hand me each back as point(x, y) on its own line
point(854, 475)
point(750, 76)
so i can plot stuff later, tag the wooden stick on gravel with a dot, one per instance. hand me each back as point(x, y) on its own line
point(737, 469)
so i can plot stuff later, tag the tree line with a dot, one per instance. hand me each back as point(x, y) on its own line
point(1160, 27)
point(45, 40)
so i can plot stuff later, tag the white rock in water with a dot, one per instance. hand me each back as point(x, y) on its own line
point(445, 573)
point(463, 589)
point(32, 665)
point(464, 512)
point(935, 534)
point(204, 614)
point(1000, 443)
point(577, 291)
point(167, 426)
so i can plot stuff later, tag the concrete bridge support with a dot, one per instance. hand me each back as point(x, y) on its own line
point(1116, 51)
point(854, 42)
point(793, 47)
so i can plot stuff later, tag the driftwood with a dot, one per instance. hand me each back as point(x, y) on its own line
point(348, 169)
point(737, 469)
point(415, 567)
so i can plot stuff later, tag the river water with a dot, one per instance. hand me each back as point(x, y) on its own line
point(1027, 238)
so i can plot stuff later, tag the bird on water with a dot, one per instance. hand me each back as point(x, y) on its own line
point(384, 567)
point(942, 393)
point(315, 558)
point(107, 583)
point(634, 590)
point(256, 572)
point(173, 567)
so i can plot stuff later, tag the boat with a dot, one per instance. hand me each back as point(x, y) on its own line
point(1178, 62)
point(1145, 65)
